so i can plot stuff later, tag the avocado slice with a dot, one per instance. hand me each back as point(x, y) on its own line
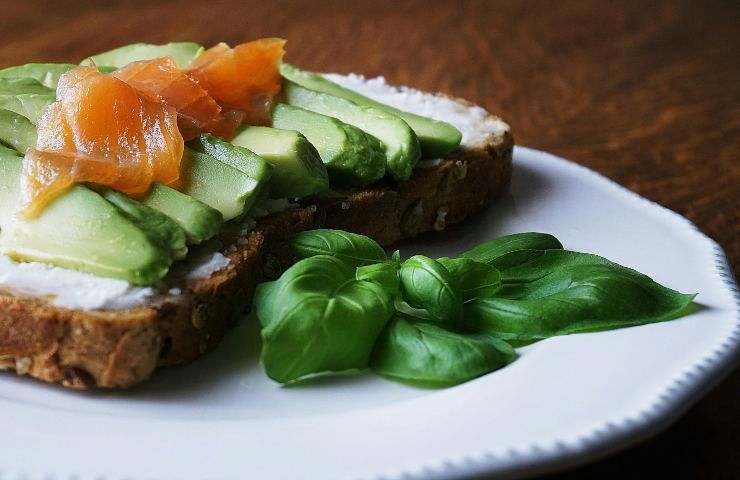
point(437, 138)
point(240, 158)
point(30, 105)
point(352, 157)
point(78, 230)
point(199, 221)
point(297, 167)
point(160, 227)
point(402, 149)
point(19, 86)
point(216, 184)
point(182, 52)
point(45, 73)
point(16, 131)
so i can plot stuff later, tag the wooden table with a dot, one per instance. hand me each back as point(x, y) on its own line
point(647, 93)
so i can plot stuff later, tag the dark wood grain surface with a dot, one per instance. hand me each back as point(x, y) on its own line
point(647, 93)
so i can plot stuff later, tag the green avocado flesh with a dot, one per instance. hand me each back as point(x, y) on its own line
point(241, 158)
point(20, 86)
point(16, 131)
point(199, 221)
point(182, 52)
point(217, 184)
point(78, 230)
point(161, 228)
point(401, 145)
point(297, 167)
point(45, 73)
point(352, 157)
point(30, 105)
point(437, 138)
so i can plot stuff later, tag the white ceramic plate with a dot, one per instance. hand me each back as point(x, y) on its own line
point(566, 400)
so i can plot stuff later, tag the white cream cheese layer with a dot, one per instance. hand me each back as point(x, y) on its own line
point(72, 289)
point(69, 288)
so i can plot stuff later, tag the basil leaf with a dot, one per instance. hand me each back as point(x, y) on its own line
point(396, 258)
point(384, 274)
point(428, 354)
point(534, 269)
point(557, 292)
point(427, 284)
point(353, 249)
point(317, 318)
point(492, 250)
point(476, 279)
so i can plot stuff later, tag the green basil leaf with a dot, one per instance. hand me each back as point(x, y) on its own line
point(318, 318)
point(427, 284)
point(476, 279)
point(557, 292)
point(537, 269)
point(353, 249)
point(384, 274)
point(428, 354)
point(491, 251)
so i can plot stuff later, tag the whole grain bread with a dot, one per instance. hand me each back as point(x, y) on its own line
point(120, 348)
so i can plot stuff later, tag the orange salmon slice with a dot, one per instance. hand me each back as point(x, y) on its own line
point(161, 80)
point(100, 130)
point(246, 77)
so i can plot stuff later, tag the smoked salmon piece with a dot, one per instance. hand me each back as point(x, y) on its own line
point(104, 131)
point(246, 77)
point(48, 174)
point(161, 80)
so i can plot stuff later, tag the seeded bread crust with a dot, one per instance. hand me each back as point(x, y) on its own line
point(117, 349)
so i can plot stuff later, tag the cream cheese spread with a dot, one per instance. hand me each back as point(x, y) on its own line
point(71, 289)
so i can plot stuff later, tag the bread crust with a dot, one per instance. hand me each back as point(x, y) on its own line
point(121, 348)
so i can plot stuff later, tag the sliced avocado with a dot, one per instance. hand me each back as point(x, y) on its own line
point(45, 73)
point(437, 138)
point(182, 52)
point(19, 86)
point(30, 105)
point(199, 221)
point(401, 145)
point(216, 184)
point(352, 157)
point(16, 131)
point(159, 226)
point(78, 230)
point(297, 167)
point(240, 158)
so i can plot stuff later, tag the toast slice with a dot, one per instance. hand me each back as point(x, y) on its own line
point(121, 348)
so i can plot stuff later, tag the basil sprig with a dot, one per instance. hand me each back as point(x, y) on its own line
point(441, 322)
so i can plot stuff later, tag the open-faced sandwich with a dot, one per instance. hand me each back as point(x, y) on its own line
point(146, 192)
